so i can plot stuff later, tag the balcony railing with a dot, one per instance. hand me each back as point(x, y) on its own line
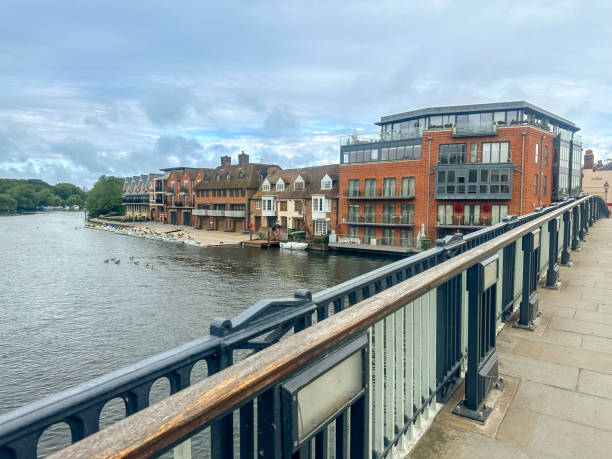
point(469, 221)
point(380, 193)
point(378, 219)
point(399, 313)
point(475, 130)
point(377, 137)
point(219, 213)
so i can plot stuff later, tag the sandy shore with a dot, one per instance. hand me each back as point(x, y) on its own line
point(185, 234)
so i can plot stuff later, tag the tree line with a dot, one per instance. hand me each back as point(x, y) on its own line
point(32, 194)
point(24, 195)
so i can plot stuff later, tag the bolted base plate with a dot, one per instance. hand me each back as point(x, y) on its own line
point(556, 286)
point(480, 415)
point(531, 326)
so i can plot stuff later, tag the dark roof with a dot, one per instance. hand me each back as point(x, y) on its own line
point(474, 108)
point(245, 176)
point(312, 177)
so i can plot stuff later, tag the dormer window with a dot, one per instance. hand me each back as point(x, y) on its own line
point(298, 185)
point(265, 186)
point(227, 176)
point(326, 183)
point(206, 178)
point(260, 176)
point(217, 177)
point(280, 185)
point(241, 175)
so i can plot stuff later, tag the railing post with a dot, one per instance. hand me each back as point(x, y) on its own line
point(552, 274)
point(582, 230)
point(529, 303)
point(575, 230)
point(565, 255)
point(482, 367)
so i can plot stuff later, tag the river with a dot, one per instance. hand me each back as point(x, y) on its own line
point(68, 317)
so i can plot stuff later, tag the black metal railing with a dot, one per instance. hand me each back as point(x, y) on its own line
point(265, 324)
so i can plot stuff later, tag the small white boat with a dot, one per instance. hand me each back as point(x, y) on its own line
point(294, 245)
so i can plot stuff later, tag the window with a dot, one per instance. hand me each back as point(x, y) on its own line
point(544, 183)
point(388, 236)
point(535, 184)
point(266, 186)
point(321, 204)
point(495, 152)
point(241, 175)
point(258, 204)
point(546, 155)
point(406, 238)
point(471, 214)
point(185, 184)
point(389, 187)
point(326, 183)
point(283, 206)
point(231, 193)
point(217, 177)
point(320, 227)
point(473, 152)
point(280, 185)
point(369, 234)
point(453, 153)
point(370, 213)
point(353, 190)
point(388, 213)
point(353, 213)
point(243, 192)
point(498, 212)
point(370, 187)
point(268, 204)
point(298, 205)
point(537, 153)
point(407, 214)
point(353, 234)
point(298, 185)
point(445, 214)
point(408, 186)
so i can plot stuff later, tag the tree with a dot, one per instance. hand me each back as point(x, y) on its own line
point(74, 200)
point(105, 197)
point(7, 203)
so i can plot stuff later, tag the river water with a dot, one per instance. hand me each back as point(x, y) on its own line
point(66, 316)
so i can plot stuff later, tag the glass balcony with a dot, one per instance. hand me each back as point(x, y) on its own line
point(376, 137)
point(472, 130)
point(380, 193)
point(371, 219)
point(219, 213)
point(474, 181)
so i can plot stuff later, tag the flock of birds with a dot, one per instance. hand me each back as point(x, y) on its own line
point(136, 262)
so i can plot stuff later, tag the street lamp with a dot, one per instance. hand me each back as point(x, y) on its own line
point(606, 188)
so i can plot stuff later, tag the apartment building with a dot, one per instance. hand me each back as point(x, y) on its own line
point(222, 196)
point(442, 170)
point(179, 194)
point(136, 195)
point(298, 199)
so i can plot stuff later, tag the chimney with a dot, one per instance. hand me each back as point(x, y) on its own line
point(226, 161)
point(589, 157)
point(243, 159)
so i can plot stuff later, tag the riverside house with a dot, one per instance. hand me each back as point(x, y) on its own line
point(136, 195)
point(222, 196)
point(180, 194)
point(298, 199)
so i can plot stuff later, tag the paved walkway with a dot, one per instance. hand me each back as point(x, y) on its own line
point(558, 402)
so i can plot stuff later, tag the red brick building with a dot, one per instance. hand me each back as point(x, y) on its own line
point(451, 169)
point(222, 196)
point(179, 201)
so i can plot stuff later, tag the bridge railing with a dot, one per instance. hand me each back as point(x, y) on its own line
point(416, 344)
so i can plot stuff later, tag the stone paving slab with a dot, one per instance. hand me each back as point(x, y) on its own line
point(560, 400)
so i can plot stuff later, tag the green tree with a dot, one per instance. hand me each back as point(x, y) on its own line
point(7, 203)
point(74, 200)
point(105, 197)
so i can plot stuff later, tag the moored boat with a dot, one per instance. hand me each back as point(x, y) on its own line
point(294, 245)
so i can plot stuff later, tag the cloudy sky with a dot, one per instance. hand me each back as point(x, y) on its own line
point(127, 87)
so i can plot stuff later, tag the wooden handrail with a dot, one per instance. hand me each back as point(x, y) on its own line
point(169, 422)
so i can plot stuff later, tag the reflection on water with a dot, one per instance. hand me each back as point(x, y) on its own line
point(69, 317)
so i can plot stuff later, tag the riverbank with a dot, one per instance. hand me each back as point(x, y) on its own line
point(169, 233)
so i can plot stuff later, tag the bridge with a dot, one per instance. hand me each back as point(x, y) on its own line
point(488, 343)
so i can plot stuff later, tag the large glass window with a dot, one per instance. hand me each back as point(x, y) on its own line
point(388, 213)
point(369, 234)
point(495, 152)
point(498, 212)
point(388, 236)
point(471, 214)
point(370, 213)
point(353, 190)
point(408, 186)
point(453, 153)
point(389, 187)
point(473, 152)
point(370, 187)
point(407, 214)
point(406, 238)
point(445, 214)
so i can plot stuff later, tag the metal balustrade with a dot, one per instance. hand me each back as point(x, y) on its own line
point(417, 338)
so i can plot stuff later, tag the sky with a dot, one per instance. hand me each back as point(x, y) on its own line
point(127, 87)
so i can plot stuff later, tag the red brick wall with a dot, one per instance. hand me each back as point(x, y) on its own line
point(418, 169)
